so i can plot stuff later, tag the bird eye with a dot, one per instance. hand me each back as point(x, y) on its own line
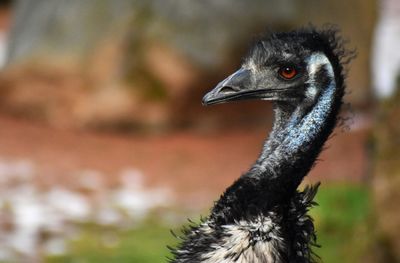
point(287, 72)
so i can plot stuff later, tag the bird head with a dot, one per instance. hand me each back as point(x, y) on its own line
point(281, 66)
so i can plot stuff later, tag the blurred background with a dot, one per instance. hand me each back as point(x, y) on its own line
point(105, 147)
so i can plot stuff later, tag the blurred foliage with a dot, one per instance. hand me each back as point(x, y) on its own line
point(341, 222)
point(386, 179)
point(145, 243)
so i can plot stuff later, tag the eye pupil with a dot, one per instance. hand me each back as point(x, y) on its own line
point(288, 72)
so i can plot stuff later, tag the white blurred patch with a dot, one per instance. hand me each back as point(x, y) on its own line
point(385, 50)
point(29, 216)
point(35, 222)
point(72, 206)
point(3, 48)
point(134, 198)
point(107, 215)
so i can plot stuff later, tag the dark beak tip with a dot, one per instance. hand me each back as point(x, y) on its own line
point(204, 102)
point(206, 99)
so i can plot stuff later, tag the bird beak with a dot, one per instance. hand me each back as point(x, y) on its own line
point(237, 86)
point(229, 89)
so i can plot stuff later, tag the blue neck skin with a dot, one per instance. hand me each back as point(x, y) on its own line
point(301, 129)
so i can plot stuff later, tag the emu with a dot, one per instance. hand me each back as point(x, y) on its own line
point(262, 217)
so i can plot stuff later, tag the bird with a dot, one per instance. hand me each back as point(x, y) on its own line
point(263, 216)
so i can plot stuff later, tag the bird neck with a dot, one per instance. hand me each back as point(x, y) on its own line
point(301, 129)
point(299, 132)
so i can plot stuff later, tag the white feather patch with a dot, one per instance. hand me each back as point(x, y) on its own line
point(240, 244)
point(315, 62)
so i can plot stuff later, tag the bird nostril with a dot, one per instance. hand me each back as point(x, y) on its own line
point(227, 89)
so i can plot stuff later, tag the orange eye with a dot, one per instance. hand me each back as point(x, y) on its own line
point(287, 72)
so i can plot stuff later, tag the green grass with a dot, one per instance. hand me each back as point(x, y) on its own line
point(341, 222)
point(144, 244)
point(340, 218)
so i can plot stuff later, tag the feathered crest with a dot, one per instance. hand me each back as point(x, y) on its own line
point(327, 39)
